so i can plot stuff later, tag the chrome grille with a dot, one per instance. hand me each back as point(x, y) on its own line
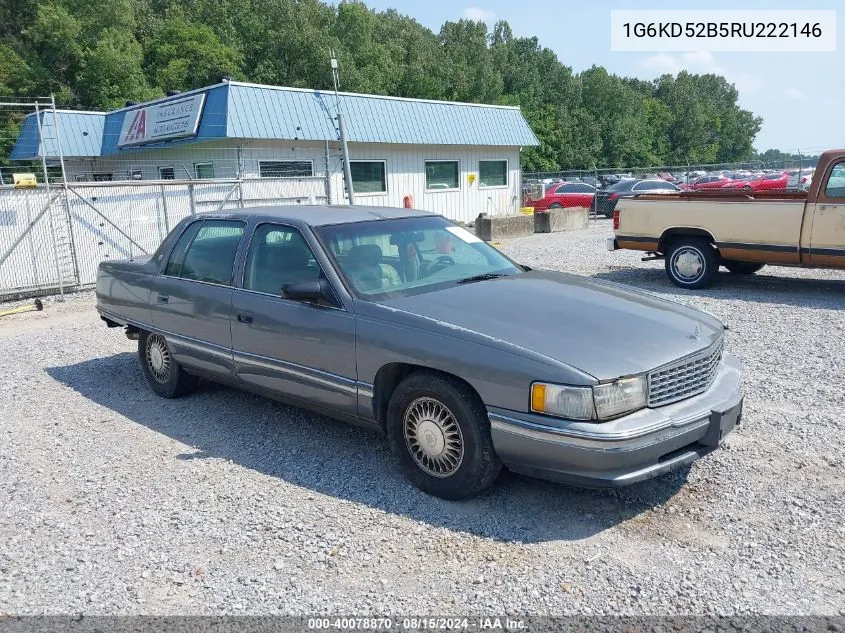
point(684, 378)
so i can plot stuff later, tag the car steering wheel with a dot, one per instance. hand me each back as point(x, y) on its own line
point(440, 263)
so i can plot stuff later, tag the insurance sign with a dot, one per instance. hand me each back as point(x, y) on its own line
point(165, 120)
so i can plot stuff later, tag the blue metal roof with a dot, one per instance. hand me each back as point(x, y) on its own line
point(250, 111)
point(289, 113)
point(81, 133)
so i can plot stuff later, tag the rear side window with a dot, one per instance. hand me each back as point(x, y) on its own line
point(177, 257)
point(210, 255)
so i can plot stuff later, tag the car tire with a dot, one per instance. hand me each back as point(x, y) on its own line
point(691, 263)
point(164, 375)
point(742, 268)
point(555, 205)
point(439, 431)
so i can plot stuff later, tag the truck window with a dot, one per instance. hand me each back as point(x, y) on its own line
point(835, 187)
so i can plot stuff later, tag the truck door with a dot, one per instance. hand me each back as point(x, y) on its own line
point(827, 239)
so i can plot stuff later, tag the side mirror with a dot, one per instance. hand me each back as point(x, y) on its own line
point(312, 290)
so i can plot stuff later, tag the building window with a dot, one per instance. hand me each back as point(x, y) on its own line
point(442, 174)
point(492, 173)
point(285, 168)
point(166, 173)
point(102, 177)
point(204, 171)
point(368, 176)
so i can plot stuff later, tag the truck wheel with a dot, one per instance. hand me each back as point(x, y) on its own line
point(742, 268)
point(691, 263)
point(164, 375)
point(555, 205)
point(439, 431)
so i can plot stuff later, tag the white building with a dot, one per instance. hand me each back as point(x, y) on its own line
point(457, 159)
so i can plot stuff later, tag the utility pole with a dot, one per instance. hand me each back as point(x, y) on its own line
point(347, 172)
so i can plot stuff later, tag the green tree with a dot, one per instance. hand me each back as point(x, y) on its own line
point(184, 55)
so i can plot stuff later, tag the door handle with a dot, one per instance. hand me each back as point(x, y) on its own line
point(163, 299)
point(244, 318)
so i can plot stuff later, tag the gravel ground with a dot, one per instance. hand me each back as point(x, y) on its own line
point(113, 501)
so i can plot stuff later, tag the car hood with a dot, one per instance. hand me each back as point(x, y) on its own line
point(603, 329)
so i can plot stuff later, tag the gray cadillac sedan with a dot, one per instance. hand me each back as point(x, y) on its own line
point(404, 322)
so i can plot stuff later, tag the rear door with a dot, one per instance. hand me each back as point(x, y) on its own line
point(827, 240)
point(301, 351)
point(192, 299)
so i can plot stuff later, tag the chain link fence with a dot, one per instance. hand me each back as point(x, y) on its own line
point(77, 212)
point(52, 239)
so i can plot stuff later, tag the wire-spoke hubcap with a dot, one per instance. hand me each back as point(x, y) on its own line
point(158, 358)
point(433, 437)
point(689, 263)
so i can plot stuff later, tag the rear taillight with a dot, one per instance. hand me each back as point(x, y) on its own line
point(613, 196)
point(616, 219)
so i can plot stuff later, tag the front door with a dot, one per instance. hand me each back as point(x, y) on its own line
point(827, 242)
point(193, 295)
point(301, 351)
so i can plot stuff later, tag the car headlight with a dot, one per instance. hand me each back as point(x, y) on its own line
point(575, 403)
point(589, 403)
point(620, 396)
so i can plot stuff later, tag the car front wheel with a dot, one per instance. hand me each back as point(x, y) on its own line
point(438, 429)
point(691, 263)
point(164, 375)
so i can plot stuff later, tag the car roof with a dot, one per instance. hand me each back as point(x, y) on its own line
point(324, 214)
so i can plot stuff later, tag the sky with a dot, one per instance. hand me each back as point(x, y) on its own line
point(801, 96)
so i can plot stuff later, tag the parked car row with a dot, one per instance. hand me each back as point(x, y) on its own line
point(608, 189)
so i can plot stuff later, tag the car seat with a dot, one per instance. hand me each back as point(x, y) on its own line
point(366, 270)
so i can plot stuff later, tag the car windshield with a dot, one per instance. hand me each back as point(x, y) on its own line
point(388, 258)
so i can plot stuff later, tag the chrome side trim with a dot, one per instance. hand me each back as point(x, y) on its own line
point(300, 371)
point(196, 344)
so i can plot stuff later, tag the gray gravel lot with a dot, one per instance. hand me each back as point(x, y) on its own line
point(113, 501)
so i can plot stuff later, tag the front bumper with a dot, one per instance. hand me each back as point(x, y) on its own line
point(635, 447)
point(611, 244)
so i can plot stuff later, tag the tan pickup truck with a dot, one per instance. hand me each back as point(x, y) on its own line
point(698, 231)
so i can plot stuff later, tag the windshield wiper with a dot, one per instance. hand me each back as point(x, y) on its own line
point(481, 277)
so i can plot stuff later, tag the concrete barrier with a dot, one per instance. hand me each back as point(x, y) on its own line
point(555, 220)
point(503, 226)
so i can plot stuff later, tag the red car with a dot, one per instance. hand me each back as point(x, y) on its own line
point(766, 182)
point(566, 194)
point(706, 182)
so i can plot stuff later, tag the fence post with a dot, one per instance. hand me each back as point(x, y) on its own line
point(164, 207)
point(191, 198)
point(29, 242)
point(327, 178)
point(42, 153)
